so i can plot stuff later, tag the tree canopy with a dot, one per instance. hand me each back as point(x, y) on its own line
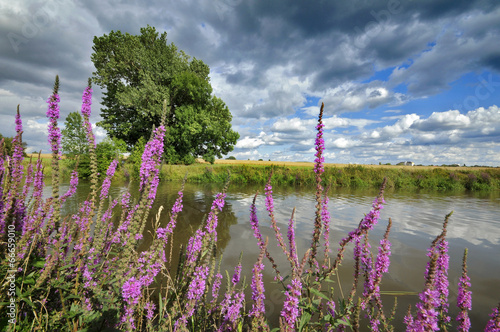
point(6, 147)
point(138, 72)
point(74, 136)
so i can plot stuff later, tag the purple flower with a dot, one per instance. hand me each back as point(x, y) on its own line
point(290, 311)
point(87, 101)
point(325, 217)
point(464, 298)
point(161, 233)
point(150, 307)
point(291, 242)
point(232, 311)
point(258, 308)
point(194, 246)
point(372, 287)
point(217, 205)
point(254, 221)
point(86, 110)
point(73, 183)
point(319, 145)
point(131, 291)
point(269, 197)
point(197, 285)
point(216, 286)
point(150, 166)
point(270, 208)
point(176, 209)
point(368, 222)
point(19, 123)
point(53, 115)
point(236, 275)
point(330, 307)
point(494, 323)
point(107, 181)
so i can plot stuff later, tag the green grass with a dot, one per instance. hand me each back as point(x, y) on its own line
point(356, 176)
point(352, 176)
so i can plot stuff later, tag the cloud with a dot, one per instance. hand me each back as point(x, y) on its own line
point(249, 143)
point(292, 125)
point(271, 62)
point(352, 97)
point(443, 121)
point(459, 48)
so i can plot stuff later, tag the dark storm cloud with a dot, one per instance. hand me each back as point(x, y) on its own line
point(265, 56)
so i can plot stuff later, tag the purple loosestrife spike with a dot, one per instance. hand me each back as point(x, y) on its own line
point(150, 307)
point(330, 305)
point(232, 311)
point(372, 288)
point(212, 220)
point(294, 260)
point(290, 311)
point(427, 315)
point(319, 144)
point(494, 323)
point(55, 143)
point(236, 275)
point(258, 308)
point(107, 180)
point(53, 115)
point(86, 110)
point(150, 166)
point(131, 291)
point(73, 184)
point(325, 217)
point(216, 287)
point(366, 223)
point(19, 123)
point(439, 249)
point(254, 221)
point(464, 298)
point(176, 209)
point(270, 209)
point(194, 246)
point(87, 101)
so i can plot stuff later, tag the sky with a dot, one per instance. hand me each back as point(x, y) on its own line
point(401, 80)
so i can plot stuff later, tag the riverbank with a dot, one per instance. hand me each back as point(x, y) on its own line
point(340, 175)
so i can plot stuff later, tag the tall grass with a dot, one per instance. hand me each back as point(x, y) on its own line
point(351, 176)
point(83, 272)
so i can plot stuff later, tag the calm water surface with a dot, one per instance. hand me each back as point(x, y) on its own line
point(417, 219)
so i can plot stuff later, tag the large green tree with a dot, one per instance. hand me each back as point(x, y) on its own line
point(138, 72)
point(6, 148)
point(74, 136)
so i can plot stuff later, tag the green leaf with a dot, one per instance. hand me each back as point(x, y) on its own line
point(39, 263)
point(318, 293)
point(344, 322)
point(304, 319)
point(398, 293)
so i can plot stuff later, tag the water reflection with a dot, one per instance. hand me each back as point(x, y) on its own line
point(417, 219)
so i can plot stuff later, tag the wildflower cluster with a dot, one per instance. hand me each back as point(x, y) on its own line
point(90, 271)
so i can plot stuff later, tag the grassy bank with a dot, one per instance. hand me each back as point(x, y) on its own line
point(299, 174)
point(351, 176)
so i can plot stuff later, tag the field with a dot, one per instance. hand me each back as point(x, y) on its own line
point(311, 164)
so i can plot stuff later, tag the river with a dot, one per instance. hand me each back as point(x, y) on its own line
point(417, 219)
